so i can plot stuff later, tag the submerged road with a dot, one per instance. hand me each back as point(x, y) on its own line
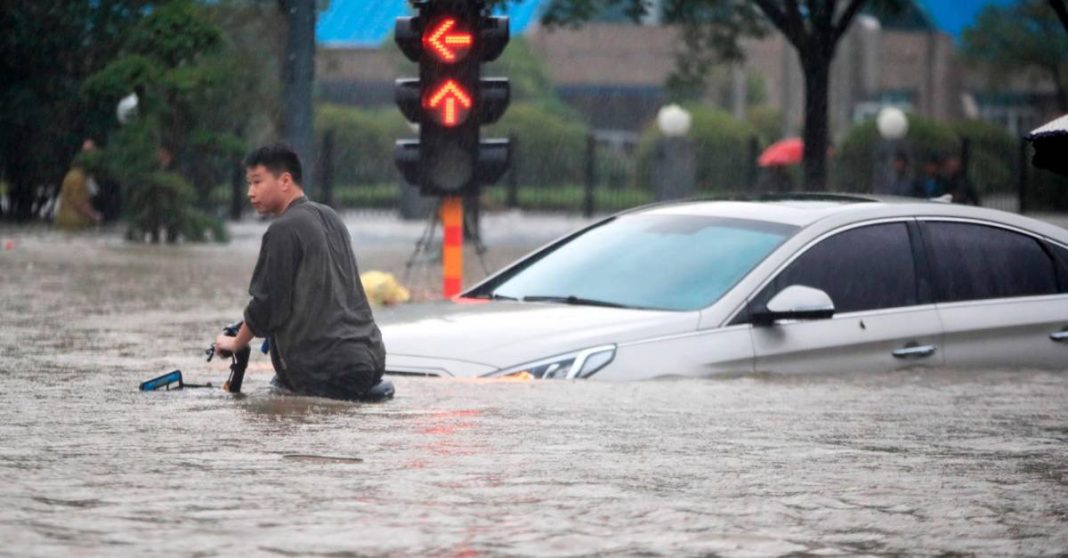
point(914, 463)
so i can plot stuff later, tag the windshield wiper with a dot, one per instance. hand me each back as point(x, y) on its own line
point(574, 300)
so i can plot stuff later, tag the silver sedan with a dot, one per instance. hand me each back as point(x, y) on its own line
point(819, 284)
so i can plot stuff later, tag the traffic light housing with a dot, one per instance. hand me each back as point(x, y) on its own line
point(450, 101)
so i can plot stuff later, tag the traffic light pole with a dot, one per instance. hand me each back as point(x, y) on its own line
point(450, 101)
point(452, 249)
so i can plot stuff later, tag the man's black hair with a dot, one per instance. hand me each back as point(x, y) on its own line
point(901, 156)
point(277, 158)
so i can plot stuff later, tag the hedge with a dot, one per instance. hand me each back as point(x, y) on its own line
point(722, 144)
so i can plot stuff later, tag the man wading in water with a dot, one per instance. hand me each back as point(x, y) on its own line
point(307, 298)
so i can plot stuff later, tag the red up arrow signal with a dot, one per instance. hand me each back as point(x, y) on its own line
point(446, 46)
point(449, 104)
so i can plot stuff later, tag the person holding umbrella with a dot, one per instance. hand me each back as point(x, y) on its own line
point(774, 177)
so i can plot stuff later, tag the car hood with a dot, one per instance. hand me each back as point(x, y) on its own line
point(460, 339)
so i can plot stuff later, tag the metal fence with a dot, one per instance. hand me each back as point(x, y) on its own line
point(614, 178)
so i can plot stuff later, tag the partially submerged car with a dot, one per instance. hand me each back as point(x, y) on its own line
point(797, 284)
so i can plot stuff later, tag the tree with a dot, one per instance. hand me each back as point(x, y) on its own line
point(1021, 37)
point(48, 47)
point(174, 60)
point(812, 27)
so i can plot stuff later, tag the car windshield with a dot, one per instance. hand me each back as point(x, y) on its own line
point(669, 262)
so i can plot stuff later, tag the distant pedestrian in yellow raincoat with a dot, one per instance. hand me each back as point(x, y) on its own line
point(75, 205)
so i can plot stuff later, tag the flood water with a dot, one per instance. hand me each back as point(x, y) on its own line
point(916, 463)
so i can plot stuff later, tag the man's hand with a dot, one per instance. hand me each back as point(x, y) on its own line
point(226, 345)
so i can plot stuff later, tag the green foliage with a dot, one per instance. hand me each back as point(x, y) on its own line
point(993, 162)
point(363, 142)
point(118, 79)
point(159, 202)
point(570, 197)
point(47, 48)
point(1013, 39)
point(175, 33)
point(712, 30)
point(855, 159)
point(766, 122)
point(173, 59)
point(527, 74)
point(722, 144)
point(550, 144)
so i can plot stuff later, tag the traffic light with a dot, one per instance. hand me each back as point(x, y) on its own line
point(451, 39)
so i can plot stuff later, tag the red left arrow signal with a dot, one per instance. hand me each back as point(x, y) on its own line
point(445, 42)
point(449, 104)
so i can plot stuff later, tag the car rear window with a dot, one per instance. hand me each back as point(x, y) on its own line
point(976, 262)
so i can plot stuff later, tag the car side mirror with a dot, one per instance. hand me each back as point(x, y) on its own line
point(795, 302)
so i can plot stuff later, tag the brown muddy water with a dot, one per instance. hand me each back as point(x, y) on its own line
point(908, 463)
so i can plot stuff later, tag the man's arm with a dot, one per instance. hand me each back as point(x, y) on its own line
point(271, 287)
point(225, 343)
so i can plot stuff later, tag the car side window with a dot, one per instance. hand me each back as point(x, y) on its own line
point(865, 268)
point(976, 262)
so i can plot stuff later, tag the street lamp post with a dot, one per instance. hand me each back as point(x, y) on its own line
point(892, 125)
point(674, 163)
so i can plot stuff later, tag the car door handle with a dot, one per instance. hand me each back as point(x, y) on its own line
point(918, 351)
point(1059, 336)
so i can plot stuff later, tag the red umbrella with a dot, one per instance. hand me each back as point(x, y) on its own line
point(783, 152)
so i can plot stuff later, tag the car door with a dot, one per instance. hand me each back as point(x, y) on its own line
point(1000, 298)
point(884, 318)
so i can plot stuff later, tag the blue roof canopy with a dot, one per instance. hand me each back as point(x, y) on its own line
point(952, 16)
point(367, 23)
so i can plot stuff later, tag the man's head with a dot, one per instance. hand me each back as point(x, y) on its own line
point(901, 162)
point(273, 173)
point(932, 165)
point(951, 167)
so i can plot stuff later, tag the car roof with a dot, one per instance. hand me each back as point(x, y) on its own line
point(803, 210)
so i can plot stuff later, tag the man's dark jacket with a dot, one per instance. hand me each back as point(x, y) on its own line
point(308, 300)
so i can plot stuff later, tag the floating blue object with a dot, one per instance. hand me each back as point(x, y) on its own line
point(163, 382)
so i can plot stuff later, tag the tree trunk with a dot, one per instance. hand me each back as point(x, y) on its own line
point(298, 69)
point(817, 70)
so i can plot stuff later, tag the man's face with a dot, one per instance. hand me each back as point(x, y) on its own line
point(266, 191)
point(951, 166)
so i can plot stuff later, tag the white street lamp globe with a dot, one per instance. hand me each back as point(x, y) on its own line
point(673, 120)
point(127, 108)
point(892, 123)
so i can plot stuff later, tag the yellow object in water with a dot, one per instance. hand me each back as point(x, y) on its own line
point(383, 289)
